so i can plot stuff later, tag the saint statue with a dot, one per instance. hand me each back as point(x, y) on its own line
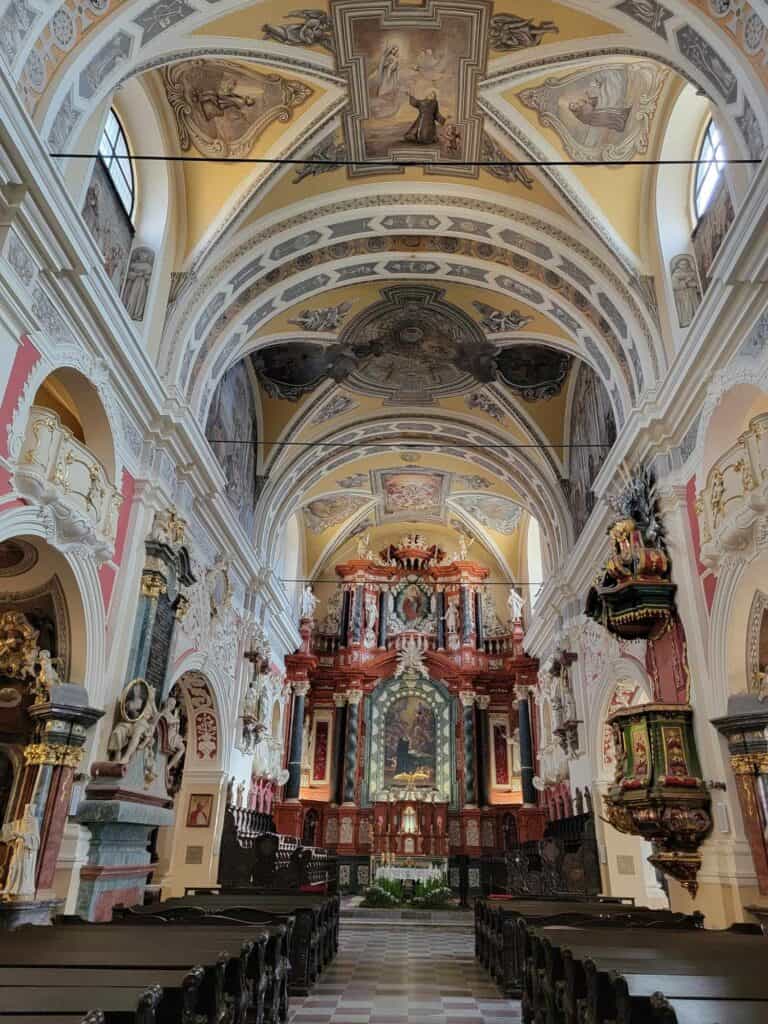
point(308, 603)
point(685, 288)
point(371, 618)
point(515, 604)
point(137, 725)
point(452, 617)
point(174, 741)
point(424, 129)
point(23, 839)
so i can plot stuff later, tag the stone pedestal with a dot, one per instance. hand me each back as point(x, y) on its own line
point(120, 816)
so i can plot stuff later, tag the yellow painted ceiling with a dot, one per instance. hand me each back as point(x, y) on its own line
point(285, 192)
point(212, 187)
point(247, 22)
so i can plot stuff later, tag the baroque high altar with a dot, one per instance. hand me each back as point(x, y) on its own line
point(411, 730)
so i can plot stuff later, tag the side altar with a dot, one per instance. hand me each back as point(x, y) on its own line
point(411, 735)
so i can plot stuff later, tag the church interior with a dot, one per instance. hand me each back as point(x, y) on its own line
point(383, 512)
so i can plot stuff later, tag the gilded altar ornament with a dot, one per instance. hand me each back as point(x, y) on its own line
point(18, 645)
point(60, 754)
point(633, 595)
point(153, 583)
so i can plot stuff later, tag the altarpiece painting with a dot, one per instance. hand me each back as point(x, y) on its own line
point(410, 743)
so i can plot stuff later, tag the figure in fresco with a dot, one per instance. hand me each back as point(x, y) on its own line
point(510, 32)
point(315, 29)
point(423, 131)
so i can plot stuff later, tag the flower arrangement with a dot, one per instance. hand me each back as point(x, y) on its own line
point(428, 895)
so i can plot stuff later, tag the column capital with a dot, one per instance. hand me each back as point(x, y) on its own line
point(483, 701)
point(354, 696)
point(467, 698)
point(300, 687)
point(339, 699)
point(522, 692)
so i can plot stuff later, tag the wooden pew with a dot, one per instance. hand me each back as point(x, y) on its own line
point(577, 974)
point(92, 1017)
point(315, 936)
point(497, 938)
point(228, 957)
point(271, 989)
point(117, 1005)
point(181, 990)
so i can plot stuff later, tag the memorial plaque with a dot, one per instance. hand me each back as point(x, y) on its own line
point(160, 646)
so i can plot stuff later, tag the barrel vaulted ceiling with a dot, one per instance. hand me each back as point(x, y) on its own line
point(399, 315)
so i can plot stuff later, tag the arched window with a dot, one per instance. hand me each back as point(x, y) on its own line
point(113, 150)
point(709, 168)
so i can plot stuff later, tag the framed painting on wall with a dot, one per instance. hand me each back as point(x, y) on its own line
point(199, 810)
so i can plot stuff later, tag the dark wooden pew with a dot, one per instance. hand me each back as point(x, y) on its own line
point(497, 938)
point(271, 988)
point(578, 974)
point(92, 1017)
point(315, 935)
point(230, 960)
point(117, 1004)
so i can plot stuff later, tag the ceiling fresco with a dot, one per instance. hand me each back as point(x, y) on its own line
point(490, 510)
point(412, 75)
point(421, 317)
point(222, 107)
point(600, 113)
point(410, 348)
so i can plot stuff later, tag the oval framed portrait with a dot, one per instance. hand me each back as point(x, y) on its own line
point(135, 700)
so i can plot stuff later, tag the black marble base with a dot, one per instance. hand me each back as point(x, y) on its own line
point(15, 913)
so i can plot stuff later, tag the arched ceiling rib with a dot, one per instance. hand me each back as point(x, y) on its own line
point(527, 473)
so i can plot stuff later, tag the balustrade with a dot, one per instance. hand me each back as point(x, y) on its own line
point(57, 470)
point(735, 496)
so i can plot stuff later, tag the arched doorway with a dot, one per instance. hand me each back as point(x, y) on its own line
point(187, 851)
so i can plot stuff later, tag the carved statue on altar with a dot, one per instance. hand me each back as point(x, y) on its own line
point(410, 660)
point(371, 618)
point(135, 729)
point(47, 676)
point(23, 839)
point(464, 546)
point(240, 794)
point(452, 617)
point(363, 545)
point(515, 604)
point(308, 602)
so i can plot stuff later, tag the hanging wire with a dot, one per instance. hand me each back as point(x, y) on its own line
point(288, 161)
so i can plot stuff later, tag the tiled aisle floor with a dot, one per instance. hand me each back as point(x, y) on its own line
point(398, 973)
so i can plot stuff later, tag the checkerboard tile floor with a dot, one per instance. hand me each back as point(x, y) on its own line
point(403, 974)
